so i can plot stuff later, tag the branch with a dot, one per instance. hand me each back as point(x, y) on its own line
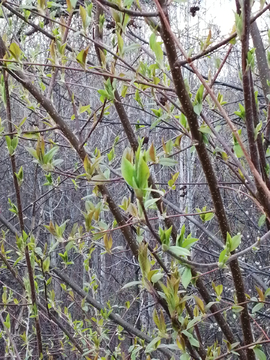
point(195, 222)
point(20, 212)
point(169, 41)
point(10, 336)
point(114, 317)
point(126, 11)
point(48, 106)
point(224, 42)
point(43, 308)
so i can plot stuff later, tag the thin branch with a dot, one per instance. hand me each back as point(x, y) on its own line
point(221, 43)
point(95, 123)
point(20, 215)
point(126, 11)
point(11, 339)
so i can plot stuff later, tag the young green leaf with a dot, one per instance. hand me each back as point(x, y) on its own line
point(15, 51)
point(186, 277)
point(179, 251)
point(128, 171)
point(260, 355)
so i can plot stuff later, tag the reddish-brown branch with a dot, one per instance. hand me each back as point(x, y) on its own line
point(20, 215)
point(169, 41)
point(95, 123)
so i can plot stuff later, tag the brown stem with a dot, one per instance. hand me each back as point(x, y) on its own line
point(250, 186)
point(43, 308)
point(75, 112)
point(207, 168)
point(251, 112)
point(149, 224)
point(253, 169)
point(50, 89)
point(20, 215)
point(114, 317)
point(264, 71)
point(261, 151)
point(129, 131)
point(95, 123)
point(75, 287)
point(48, 106)
point(201, 350)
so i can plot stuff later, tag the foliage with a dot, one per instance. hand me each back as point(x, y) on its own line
point(135, 187)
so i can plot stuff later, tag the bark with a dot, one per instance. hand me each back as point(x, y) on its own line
point(264, 72)
point(209, 174)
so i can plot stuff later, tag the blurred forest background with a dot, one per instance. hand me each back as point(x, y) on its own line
point(134, 182)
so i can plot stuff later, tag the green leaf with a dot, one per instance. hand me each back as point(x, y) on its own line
point(152, 40)
point(261, 221)
point(98, 179)
point(242, 112)
point(235, 242)
point(219, 289)
point(217, 62)
point(46, 264)
point(156, 277)
point(260, 355)
point(15, 51)
point(238, 150)
point(130, 48)
point(237, 308)
point(81, 57)
point(208, 216)
point(143, 259)
point(167, 162)
point(204, 128)
point(150, 202)
point(257, 307)
point(188, 242)
point(7, 322)
point(193, 322)
point(197, 108)
point(191, 338)
point(84, 17)
point(239, 24)
point(181, 236)
point(153, 344)
point(50, 154)
point(223, 256)
point(11, 144)
point(257, 130)
point(132, 283)
point(142, 173)
point(124, 91)
point(199, 94)
point(138, 98)
point(186, 277)
point(82, 109)
point(179, 251)
point(267, 292)
point(185, 357)
point(19, 175)
point(120, 43)
point(32, 152)
point(156, 47)
point(157, 112)
point(127, 170)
